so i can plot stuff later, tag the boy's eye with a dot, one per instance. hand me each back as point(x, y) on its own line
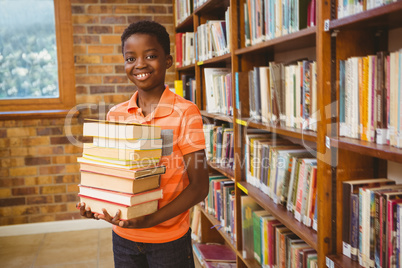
point(130, 59)
point(151, 57)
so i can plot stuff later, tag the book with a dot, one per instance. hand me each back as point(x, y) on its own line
point(257, 230)
point(215, 252)
point(128, 165)
point(179, 50)
point(213, 90)
point(118, 172)
point(136, 144)
point(89, 149)
point(120, 184)
point(248, 205)
point(120, 130)
point(127, 212)
point(178, 88)
point(122, 163)
point(120, 197)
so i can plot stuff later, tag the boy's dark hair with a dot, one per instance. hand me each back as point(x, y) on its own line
point(147, 27)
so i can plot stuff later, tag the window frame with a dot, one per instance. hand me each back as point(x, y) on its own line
point(52, 107)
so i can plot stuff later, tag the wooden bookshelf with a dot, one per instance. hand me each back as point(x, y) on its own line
point(340, 261)
point(358, 35)
point(331, 40)
point(285, 131)
point(211, 62)
point(387, 16)
point(223, 170)
point(212, 6)
point(190, 67)
point(215, 116)
point(301, 39)
point(386, 152)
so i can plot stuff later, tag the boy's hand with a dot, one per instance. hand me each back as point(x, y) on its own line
point(139, 222)
point(85, 211)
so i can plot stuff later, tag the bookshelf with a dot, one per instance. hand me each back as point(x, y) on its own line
point(338, 158)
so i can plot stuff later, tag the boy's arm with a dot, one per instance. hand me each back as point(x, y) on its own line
point(194, 193)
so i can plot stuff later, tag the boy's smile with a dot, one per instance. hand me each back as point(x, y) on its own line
point(146, 62)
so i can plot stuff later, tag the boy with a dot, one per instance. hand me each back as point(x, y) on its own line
point(161, 239)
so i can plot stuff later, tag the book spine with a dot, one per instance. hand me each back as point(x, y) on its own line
point(346, 219)
point(377, 230)
point(398, 235)
point(342, 98)
point(390, 243)
point(371, 257)
point(360, 227)
point(354, 226)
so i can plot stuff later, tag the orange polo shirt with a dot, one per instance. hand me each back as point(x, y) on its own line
point(182, 119)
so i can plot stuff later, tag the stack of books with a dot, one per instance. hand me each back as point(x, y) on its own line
point(120, 169)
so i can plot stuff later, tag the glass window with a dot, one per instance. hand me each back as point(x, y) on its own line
point(28, 52)
point(36, 56)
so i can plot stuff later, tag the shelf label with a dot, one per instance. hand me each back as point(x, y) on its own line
point(241, 122)
point(242, 188)
point(200, 62)
point(329, 262)
point(326, 25)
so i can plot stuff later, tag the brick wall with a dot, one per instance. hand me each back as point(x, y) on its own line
point(38, 169)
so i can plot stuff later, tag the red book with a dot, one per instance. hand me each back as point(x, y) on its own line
point(127, 212)
point(216, 253)
point(179, 50)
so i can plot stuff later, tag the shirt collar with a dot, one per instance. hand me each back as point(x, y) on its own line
point(165, 106)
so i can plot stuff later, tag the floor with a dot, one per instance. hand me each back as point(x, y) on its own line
point(71, 249)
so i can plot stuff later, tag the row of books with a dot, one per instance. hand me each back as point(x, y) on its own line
point(219, 142)
point(185, 49)
point(370, 98)
point(119, 169)
point(347, 8)
point(184, 8)
point(213, 38)
point(286, 172)
point(220, 203)
point(280, 94)
point(268, 19)
point(186, 87)
point(371, 232)
point(218, 90)
point(269, 242)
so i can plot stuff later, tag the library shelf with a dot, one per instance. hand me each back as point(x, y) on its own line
point(212, 6)
point(186, 25)
point(340, 261)
point(186, 68)
point(280, 212)
point(223, 170)
point(226, 58)
point(307, 135)
point(251, 263)
point(216, 116)
point(216, 224)
point(301, 39)
point(386, 152)
point(387, 16)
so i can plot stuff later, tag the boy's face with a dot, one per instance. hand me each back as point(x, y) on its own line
point(146, 62)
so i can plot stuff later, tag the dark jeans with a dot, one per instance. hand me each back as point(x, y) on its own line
point(174, 254)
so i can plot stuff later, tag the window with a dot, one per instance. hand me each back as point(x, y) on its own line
point(36, 56)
